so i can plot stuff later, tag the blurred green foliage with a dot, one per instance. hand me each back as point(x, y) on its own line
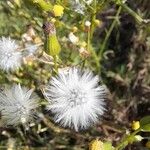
point(125, 68)
point(15, 18)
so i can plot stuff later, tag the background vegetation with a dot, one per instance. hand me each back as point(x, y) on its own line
point(122, 45)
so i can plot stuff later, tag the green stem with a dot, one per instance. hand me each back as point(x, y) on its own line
point(55, 63)
point(130, 11)
point(109, 33)
point(90, 36)
point(126, 140)
point(88, 6)
point(89, 41)
point(93, 19)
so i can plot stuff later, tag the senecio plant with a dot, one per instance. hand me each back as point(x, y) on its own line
point(75, 95)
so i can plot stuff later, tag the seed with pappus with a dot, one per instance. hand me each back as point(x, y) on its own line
point(75, 98)
point(10, 57)
point(17, 105)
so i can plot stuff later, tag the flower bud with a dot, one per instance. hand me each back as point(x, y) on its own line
point(52, 46)
point(96, 145)
point(83, 44)
point(53, 20)
point(49, 28)
point(58, 10)
point(74, 29)
point(135, 125)
point(97, 22)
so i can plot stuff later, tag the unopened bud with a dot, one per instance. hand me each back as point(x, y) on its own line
point(84, 44)
point(53, 20)
point(58, 10)
point(74, 29)
point(52, 46)
point(96, 145)
point(97, 22)
point(135, 125)
point(87, 23)
point(49, 28)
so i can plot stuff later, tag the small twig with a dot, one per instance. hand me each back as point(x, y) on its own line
point(52, 126)
point(45, 58)
point(28, 47)
point(126, 140)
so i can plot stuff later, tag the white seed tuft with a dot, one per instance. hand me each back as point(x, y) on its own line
point(10, 57)
point(75, 98)
point(17, 105)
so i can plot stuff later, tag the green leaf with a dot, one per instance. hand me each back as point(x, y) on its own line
point(146, 128)
point(145, 120)
point(145, 124)
point(108, 146)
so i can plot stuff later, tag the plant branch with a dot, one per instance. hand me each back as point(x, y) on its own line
point(109, 33)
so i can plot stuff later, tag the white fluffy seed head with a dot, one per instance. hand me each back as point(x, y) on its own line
point(17, 105)
point(10, 57)
point(75, 98)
